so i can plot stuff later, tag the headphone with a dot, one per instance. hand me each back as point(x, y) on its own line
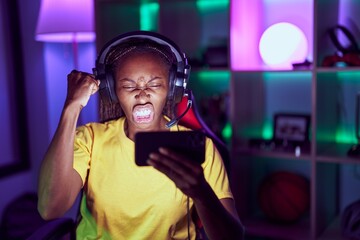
point(349, 55)
point(352, 48)
point(179, 72)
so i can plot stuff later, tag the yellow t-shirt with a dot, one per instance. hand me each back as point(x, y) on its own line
point(124, 201)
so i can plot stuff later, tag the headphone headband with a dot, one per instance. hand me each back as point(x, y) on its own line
point(180, 57)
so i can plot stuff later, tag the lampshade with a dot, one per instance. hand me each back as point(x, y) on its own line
point(66, 21)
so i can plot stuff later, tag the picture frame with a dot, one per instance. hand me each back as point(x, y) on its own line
point(291, 127)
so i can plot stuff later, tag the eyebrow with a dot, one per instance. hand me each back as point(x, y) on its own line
point(134, 81)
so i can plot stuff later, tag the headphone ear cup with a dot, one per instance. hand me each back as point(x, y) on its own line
point(178, 93)
point(177, 89)
point(107, 88)
point(111, 86)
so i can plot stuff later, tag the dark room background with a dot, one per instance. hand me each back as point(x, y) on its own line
point(238, 90)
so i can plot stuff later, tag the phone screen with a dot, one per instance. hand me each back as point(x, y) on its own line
point(189, 143)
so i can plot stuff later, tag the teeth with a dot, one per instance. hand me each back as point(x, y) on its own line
point(142, 113)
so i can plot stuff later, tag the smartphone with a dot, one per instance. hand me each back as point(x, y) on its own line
point(189, 143)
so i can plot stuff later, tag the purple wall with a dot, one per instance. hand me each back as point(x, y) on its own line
point(14, 185)
point(45, 68)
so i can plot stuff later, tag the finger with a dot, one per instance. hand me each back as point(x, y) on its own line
point(76, 76)
point(182, 165)
point(93, 76)
point(97, 81)
point(185, 179)
point(178, 157)
point(171, 167)
point(75, 72)
point(162, 163)
point(95, 88)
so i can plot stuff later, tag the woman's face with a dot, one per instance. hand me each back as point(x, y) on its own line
point(142, 87)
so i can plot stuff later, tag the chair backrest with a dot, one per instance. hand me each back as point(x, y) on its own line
point(192, 119)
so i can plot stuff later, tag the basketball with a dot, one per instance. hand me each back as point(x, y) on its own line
point(284, 196)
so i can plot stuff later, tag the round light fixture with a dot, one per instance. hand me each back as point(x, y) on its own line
point(283, 44)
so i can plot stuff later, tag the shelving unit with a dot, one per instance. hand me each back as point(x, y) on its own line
point(327, 94)
point(256, 92)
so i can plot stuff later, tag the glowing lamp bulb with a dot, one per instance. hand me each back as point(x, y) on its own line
point(283, 44)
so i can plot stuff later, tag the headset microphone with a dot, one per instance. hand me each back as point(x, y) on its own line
point(177, 119)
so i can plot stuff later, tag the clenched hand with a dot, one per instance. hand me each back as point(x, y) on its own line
point(81, 86)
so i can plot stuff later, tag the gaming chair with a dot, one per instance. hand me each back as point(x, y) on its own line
point(193, 120)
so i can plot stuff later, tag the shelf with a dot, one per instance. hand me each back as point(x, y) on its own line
point(337, 69)
point(335, 153)
point(278, 154)
point(327, 94)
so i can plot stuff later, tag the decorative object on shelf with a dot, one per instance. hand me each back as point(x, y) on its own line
point(282, 44)
point(291, 128)
point(350, 221)
point(344, 55)
point(354, 151)
point(290, 134)
point(284, 197)
point(302, 65)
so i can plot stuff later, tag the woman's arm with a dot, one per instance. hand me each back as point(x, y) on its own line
point(59, 184)
point(219, 217)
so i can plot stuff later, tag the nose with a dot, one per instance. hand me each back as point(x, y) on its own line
point(142, 93)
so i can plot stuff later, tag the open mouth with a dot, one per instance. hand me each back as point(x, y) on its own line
point(143, 113)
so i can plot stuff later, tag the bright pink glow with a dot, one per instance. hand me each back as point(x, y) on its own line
point(245, 23)
point(66, 21)
point(250, 18)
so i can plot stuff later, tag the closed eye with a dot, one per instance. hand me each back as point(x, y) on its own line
point(154, 85)
point(129, 87)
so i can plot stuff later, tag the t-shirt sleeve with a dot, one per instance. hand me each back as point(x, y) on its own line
point(215, 172)
point(82, 151)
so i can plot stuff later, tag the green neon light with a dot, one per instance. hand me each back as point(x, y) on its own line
point(212, 76)
point(207, 5)
point(267, 132)
point(287, 76)
point(352, 76)
point(343, 134)
point(149, 13)
point(227, 132)
point(207, 83)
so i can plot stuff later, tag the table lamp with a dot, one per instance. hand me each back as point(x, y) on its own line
point(64, 21)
